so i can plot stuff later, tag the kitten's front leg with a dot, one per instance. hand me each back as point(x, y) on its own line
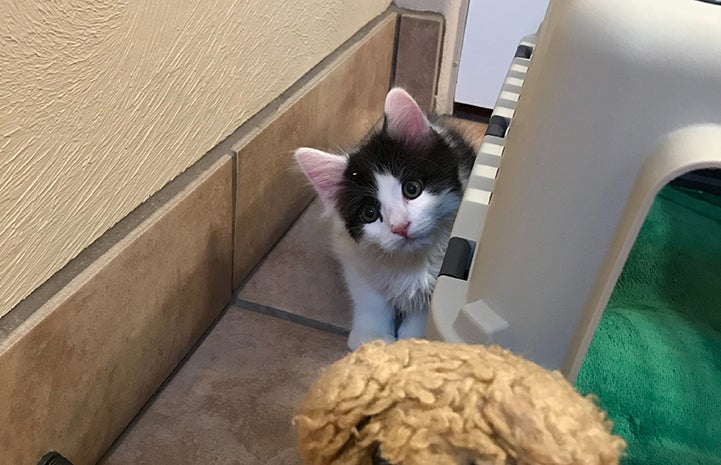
point(413, 325)
point(373, 316)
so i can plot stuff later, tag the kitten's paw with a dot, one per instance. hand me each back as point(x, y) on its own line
point(413, 326)
point(358, 337)
point(411, 333)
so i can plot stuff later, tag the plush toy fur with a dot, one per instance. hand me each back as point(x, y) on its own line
point(430, 403)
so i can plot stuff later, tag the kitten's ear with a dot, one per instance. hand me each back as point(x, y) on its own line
point(324, 170)
point(404, 118)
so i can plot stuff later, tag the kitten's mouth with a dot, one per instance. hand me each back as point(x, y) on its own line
point(412, 242)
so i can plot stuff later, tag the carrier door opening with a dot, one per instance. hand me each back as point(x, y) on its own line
point(654, 362)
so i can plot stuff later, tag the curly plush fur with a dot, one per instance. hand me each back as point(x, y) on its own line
point(428, 403)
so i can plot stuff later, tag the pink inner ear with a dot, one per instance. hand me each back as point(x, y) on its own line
point(404, 118)
point(324, 170)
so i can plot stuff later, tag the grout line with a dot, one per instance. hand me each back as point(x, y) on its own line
point(292, 317)
point(394, 57)
point(234, 302)
point(234, 216)
point(161, 387)
point(260, 263)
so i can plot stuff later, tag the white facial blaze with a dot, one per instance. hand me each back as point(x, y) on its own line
point(420, 213)
point(390, 195)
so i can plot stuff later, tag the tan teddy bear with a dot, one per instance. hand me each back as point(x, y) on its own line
point(431, 403)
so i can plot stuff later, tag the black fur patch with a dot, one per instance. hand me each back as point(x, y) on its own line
point(435, 163)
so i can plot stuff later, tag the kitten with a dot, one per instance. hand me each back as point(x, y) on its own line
point(393, 201)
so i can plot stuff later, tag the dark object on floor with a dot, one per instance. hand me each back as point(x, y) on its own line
point(701, 180)
point(472, 113)
point(655, 361)
point(54, 458)
point(497, 126)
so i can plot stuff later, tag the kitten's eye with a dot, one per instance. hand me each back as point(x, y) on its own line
point(369, 213)
point(412, 189)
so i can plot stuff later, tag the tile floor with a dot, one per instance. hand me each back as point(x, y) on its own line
point(233, 399)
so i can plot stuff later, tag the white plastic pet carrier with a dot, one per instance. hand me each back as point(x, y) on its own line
point(600, 109)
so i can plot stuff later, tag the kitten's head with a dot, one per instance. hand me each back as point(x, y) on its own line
point(398, 188)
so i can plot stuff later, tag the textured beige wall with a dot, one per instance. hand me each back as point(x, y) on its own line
point(102, 102)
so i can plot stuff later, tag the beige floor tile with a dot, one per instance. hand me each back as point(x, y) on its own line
point(233, 400)
point(301, 276)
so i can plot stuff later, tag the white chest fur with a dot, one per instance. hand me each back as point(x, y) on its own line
point(405, 280)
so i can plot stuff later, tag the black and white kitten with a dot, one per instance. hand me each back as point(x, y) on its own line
point(393, 201)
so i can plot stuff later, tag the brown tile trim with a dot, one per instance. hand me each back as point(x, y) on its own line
point(332, 110)
point(75, 372)
point(53, 286)
point(220, 408)
point(234, 203)
point(149, 403)
point(419, 45)
point(244, 281)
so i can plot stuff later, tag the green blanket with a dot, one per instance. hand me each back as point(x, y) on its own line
point(655, 361)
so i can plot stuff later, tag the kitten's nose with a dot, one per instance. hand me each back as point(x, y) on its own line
point(401, 228)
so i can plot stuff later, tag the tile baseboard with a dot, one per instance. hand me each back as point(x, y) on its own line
point(418, 56)
point(333, 110)
point(78, 369)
